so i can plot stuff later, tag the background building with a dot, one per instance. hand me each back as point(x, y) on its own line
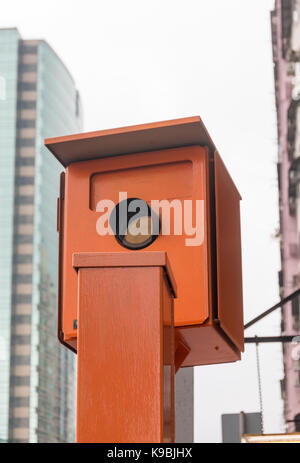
point(286, 54)
point(38, 99)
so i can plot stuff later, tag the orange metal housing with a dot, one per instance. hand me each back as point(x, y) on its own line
point(161, 161)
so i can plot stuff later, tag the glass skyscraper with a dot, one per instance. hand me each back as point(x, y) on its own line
point(38, 99)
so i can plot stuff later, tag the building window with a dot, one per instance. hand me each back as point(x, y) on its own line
point(279, 175)
point(20, 381)
point(293, 248)
point(297, 380)
point(21, 360)
point(20, 401)
point(296, 313)
point(25, 162)
point(19, 422)
point(26, 124)
point(26, 104)
point(22, 298)
point(283, 388)
point(280, 279)
point(28, 67)
point(24, 180)
point(28, 49)
point(24, 220)
point(22, 319)
point(24, 239)
point(27, 142)
point(297, 422)
point(27, 279)
point(27, 86)
point(20, 339)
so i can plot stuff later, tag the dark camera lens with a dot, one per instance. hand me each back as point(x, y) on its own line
point(134, 223)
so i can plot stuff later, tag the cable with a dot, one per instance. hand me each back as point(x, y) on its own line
point(290, 297)
point(259, 387)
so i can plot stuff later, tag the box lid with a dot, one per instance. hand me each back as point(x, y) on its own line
point(128, 140)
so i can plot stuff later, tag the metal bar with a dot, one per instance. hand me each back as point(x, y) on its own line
point(276, 306)
point(260, 339)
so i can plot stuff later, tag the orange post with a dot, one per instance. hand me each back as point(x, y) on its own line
point(126, 353)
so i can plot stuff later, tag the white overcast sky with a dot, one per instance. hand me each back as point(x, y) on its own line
point(138, 61)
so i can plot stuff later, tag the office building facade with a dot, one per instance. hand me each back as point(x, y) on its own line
point(38, 99)
point(285, 21)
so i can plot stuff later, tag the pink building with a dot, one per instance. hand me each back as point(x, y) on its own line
point(286, 55)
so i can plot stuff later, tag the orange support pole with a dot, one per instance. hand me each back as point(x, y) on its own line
point(125, 390)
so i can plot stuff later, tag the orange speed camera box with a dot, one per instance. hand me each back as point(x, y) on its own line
point(179, 199)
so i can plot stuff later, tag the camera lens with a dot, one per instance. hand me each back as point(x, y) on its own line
point(134, 223)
